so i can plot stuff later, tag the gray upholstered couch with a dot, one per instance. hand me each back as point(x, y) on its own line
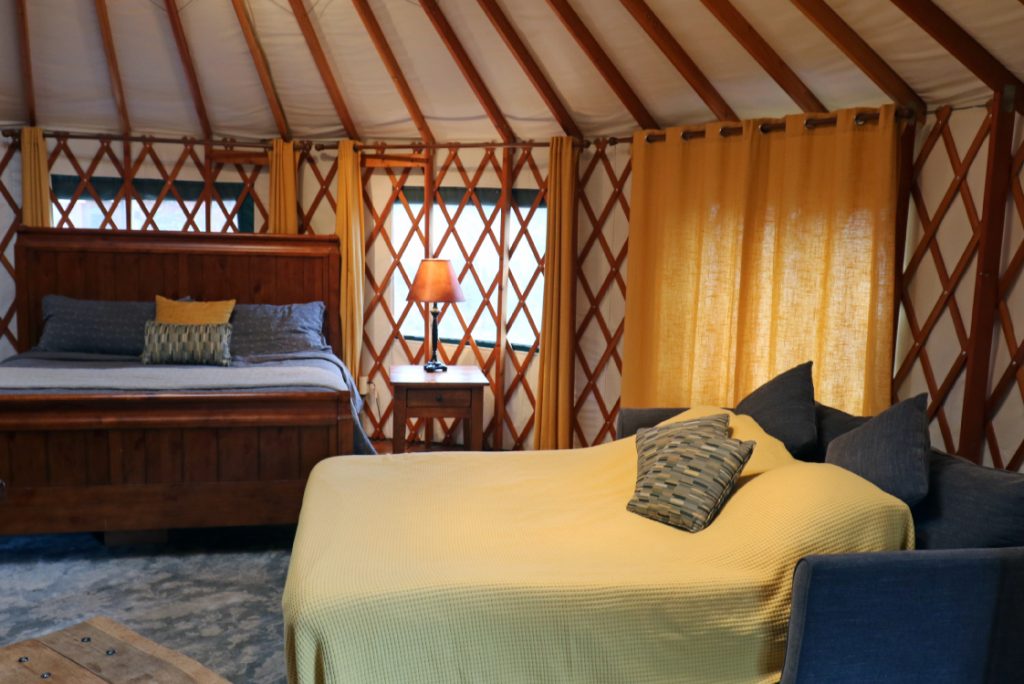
point(952, 611)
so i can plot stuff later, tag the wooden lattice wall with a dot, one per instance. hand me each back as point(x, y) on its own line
point(936, 300)
point(940, 271)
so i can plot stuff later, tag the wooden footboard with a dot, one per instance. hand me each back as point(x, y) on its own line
point(137, 461)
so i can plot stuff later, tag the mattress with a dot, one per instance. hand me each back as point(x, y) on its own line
point(62, 372)
point(526, 566)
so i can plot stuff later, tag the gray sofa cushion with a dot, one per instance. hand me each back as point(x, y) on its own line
point(833, 423)
point(784, 408)
point(94, 327)
point(969, 506)
point(890, 450)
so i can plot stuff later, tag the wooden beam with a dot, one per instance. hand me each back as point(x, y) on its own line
point(395, 71)
point(963, 46)
point(861, 54)
point(616, 81)
point(189, 66)
point(986, 286)
point(323, 66)
point(262, 69)
point(472, 76)
point(764, 54)
point(26, 61)
point(530, 66)
point(115, 73)
point(671, 48)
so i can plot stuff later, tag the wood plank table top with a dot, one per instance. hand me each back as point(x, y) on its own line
point(99, 651)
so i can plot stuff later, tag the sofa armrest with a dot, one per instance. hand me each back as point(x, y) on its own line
point(935, 616)
point(632, 419)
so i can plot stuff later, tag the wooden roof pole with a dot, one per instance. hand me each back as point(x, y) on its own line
point(189, 66)
point(530, 66)
point(323, 66)
point(115, 73)
point(461, 57)
point(394, 70)
point(964, 47)
point(26, 61)
point(671, 48)
point(764, 54)
point(616, 81)
point(861, 54)
point(998, 175)
point(262, 69)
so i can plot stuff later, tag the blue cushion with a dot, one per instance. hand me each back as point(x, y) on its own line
point(969, 506)
point(890, 450)
point(907, 616)
point(94, 327)
point(784, 408)
point(277, 328)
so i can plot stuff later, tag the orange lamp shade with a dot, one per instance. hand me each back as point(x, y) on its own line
point(436, 281)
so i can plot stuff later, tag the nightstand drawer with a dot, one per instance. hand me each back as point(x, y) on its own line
point(438, 397)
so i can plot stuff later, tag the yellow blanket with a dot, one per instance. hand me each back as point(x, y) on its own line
point(526, 567)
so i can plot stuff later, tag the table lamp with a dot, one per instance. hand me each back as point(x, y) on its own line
point(435, 282)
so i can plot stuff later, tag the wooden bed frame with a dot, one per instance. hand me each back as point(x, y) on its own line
point(145, 461)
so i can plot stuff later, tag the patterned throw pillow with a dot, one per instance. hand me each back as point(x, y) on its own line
point(649, 441)
point(208, 345)
point(684, 477)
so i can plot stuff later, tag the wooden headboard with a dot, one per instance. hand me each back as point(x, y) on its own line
point(116, 265)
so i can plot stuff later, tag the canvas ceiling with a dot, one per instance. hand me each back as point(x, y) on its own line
point(73, 90)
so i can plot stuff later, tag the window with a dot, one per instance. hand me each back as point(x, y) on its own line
point(87, 212)
point(486, 263)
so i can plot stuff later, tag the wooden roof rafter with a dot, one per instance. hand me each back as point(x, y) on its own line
point(764, 54)
point(472, 76)
point(675, 53)
point(530, 66)
point(26, 61)
point(323, 66)
point(861, 54)
point(963, 47)
point(189, 66)
point(262, 68)
point(394, 70)
point(603, 63)
point(103, 15)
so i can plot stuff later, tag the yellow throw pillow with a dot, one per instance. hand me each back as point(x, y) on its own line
point(193, 313)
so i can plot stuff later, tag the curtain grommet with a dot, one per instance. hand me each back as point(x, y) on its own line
point(763, 128)
point(860, 119)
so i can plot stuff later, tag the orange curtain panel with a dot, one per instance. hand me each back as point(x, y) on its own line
point(35, 180)
point(283, 218)
point(751, 253)
point(552, 428)
point(348, 224)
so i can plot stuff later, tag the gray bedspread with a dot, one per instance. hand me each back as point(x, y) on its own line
point(51, 372)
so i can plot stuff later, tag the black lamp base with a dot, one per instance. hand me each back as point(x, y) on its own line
point(435, 367)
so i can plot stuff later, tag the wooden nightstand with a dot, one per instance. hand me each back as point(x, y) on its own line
point(458, 393)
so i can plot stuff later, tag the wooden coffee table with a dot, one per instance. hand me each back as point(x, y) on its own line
point(458, 393)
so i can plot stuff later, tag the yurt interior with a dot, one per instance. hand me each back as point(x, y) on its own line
point(585, 341)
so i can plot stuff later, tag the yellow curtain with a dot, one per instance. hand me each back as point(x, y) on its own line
point(35, 179)
point(348, 224)
point(283, 219)
point(552, 427)
point(751, 253)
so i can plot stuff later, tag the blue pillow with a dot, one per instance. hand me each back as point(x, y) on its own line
point(94, 327)
point(890, 450)
point(277, 328)
point(784, 408)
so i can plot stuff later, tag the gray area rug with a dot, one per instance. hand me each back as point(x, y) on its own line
point(214, 595)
